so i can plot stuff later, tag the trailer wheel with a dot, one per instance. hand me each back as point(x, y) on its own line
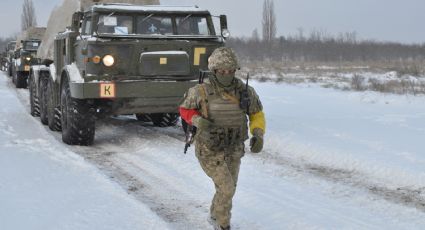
point(9, 69)
point(164, 119)
point(53, 112)
point(34, 105)
point(43, 100)
point(77, 121)
point(143, 117)
point(20, 80)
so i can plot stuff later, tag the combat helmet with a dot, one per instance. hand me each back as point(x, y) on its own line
point(223, 58)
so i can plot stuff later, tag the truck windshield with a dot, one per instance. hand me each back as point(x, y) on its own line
point(11, 46)
point(31, 45)
point(153, 24)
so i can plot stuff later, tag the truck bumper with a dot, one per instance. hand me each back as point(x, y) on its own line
point(128, 97)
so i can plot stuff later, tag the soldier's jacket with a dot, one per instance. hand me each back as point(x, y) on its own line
point(221, 106)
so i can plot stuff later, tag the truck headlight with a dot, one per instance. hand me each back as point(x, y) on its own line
point(225, 33)
point(108, 60)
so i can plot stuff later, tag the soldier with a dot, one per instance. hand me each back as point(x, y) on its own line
point(215, 109)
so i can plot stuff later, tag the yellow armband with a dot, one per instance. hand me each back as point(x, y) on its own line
point(257, 120)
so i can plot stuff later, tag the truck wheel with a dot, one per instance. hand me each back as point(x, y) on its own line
point(143, 117)
point(21, 80)
point(53, 113)
point(43, 100)
point(9, 70)
point(13, 78)
point(164, 119)
point(34, 106)
point(77, 121)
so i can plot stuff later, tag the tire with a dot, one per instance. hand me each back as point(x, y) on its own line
point(77, 121)
point(143, 117)
point(20, 80)
point(164, 119)
point(34, 105)
point(9, 70)
point(14, 78)
point(53, 112)
point(43, 100)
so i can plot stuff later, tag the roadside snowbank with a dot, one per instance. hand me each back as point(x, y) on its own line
point(43, 185)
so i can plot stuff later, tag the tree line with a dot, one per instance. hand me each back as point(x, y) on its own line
point(320, 48)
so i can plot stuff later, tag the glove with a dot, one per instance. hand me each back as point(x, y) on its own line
point(256, 141)
point(201, 123)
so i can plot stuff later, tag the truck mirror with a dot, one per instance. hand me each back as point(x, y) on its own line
point(223, 25)
point(223, 22)
point(76, 20)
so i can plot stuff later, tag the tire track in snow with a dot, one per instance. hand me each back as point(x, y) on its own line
point(410, 197)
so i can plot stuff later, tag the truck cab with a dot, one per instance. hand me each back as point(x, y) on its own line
point(119, 59)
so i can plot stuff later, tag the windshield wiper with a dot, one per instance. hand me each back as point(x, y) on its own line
point(146, 18)
point(105, 17)
point(184, 19)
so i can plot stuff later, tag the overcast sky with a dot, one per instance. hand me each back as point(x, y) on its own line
point(387, 20)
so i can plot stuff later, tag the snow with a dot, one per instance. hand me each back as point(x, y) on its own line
point(149, 8)
point(74, 73)
point(52, 69)
point(332, 160)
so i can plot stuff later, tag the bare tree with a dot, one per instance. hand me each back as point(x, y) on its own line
point(28, 16)
point(269, 21)
point(255, 37)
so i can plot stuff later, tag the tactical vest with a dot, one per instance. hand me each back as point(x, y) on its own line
point(230, 121)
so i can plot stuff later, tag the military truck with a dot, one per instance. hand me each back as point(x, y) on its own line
point(117, 59)
point(9, 56)
point(24, 57)
point(25, 52)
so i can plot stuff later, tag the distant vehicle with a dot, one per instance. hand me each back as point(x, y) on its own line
point(122, 59)
point(24, 57)
point(10, 48)
point(3, 61)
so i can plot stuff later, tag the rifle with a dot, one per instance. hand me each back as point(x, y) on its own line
point(245, 102)
point(190, 134)
point(190, 130)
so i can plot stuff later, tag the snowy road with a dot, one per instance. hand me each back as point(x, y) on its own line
point(333, 160)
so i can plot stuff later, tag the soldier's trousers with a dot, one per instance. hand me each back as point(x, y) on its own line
point(223, 168)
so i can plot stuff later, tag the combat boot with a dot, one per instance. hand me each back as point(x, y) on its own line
point(213, 221)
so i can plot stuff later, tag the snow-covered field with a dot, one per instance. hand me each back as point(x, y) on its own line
point(332, 160)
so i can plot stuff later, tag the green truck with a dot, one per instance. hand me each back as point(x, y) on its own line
point(24, 57)
point(117, 59)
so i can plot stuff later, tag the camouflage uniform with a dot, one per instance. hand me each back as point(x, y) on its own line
point(220, 148)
